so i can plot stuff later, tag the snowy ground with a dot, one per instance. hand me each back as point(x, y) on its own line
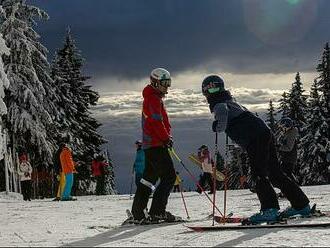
point(92, 221)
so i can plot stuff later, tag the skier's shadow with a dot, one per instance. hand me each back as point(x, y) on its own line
point(249, 235)
point(118, 233)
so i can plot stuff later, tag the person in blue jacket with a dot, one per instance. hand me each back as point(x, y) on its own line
point(253, 134)
point(139, 162)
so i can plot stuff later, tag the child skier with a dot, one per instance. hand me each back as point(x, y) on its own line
point(255, 137)
point(139, 162)
point(206, 178)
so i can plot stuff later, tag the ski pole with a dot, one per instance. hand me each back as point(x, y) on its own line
point(214, 175)
point(130, 191)
point(225, 182)
point(194, 179)
point(184, 202)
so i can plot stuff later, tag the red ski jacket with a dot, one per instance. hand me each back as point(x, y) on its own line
point(98, 167)
point(155, 123)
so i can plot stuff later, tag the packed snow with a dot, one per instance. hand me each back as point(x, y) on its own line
point(95, 221)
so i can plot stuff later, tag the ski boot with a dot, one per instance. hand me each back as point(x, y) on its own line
point(269, 216)
point(165, 217)
point(281, 196)
point(291, 212)
point(130, 220)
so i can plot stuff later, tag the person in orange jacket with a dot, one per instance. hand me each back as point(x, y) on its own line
point(68, 168)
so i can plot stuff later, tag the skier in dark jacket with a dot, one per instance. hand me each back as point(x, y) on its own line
point(158, 162)
point(250, 132)
point(287, 146)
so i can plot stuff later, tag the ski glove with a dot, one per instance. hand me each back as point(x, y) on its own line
point(215, 125)
point(169, 142)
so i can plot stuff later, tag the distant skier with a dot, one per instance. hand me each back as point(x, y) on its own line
point(177, 182)
point(250, 132)
point(139, 162)
point(158, 162)
point(25, 173)
point(206, 179)
point(287, 140)
point(68, 168)
point(99, 171)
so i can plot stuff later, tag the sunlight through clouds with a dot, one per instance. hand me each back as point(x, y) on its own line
point(280, 22)
point(180, 103)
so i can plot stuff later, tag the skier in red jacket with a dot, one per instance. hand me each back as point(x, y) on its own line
point(158, 162)
point(99, 171)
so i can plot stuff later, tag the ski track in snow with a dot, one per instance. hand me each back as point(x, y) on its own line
point(95, 220)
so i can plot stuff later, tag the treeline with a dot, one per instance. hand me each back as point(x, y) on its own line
point(44, 103)
point(311, 114)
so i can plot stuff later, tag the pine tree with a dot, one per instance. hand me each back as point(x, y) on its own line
point(297, 102)
point(28, 117)
point(271, 116)
point(4, 84)
point(76, 98)
point(110, 188)
point(284, 105)
point(314, 167)
point(324, 85)
point(238, 166)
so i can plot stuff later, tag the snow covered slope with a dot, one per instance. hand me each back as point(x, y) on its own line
point(93, 221)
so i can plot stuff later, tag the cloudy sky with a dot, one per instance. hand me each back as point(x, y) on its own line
point(257, 46)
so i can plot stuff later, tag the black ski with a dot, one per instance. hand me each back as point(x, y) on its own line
point(281, 223)
point(261, 226)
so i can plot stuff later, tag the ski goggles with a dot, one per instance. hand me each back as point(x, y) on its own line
point(211, 91)
point(165, 82)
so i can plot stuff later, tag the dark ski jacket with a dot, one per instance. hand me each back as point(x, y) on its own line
point(242, 126)
point(287, 145)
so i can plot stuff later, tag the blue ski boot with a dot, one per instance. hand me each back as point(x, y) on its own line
point(270, 215)
point(291, 212)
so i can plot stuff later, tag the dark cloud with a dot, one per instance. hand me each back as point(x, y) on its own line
point(126, 39)
point(123, 40)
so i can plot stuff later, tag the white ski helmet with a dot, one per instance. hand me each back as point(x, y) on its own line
point(160, 77)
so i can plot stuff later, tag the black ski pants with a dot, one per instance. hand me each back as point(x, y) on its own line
point(267, 172)
point(176, 188)
point(26, 189)
point(288, 169)
point(158, 165)
point(100, 185)
point(205, 180)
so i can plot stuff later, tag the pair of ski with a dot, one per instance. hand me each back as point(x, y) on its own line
point(130, 220)
point(235, 223)
point(283, 223)
point(229, 219)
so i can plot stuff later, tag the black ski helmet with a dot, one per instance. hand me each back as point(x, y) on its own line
point(203, 147)
point(286, 122)
point(212, 84)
